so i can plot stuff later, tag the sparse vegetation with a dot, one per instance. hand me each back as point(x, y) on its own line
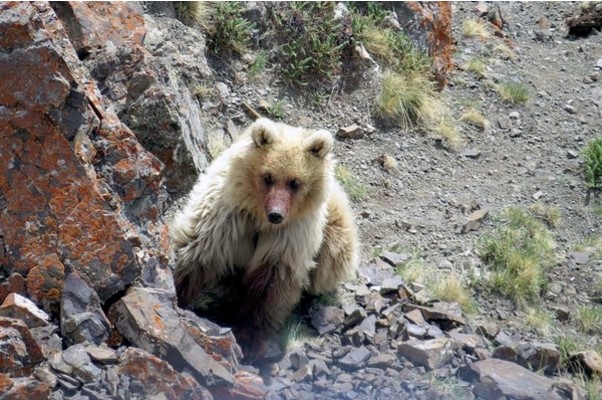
point(513, 92)
point(475, 118)
point(517, 254)
point(355, 189)
point(477, 66)
point(259, 63)
point(592, 160)
point(449, 287)
point(589, 319)
point(539, 320)
point(567, 345)
point(312, 43)
point(405, 99)
point(275, 110)
point(448, 130)
point(474, 28)
point(550, 215)
point(228, 30)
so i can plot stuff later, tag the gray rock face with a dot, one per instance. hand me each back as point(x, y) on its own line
point(82, 318)
point(153, 325)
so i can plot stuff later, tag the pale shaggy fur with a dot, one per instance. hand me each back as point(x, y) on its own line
point(223, 228)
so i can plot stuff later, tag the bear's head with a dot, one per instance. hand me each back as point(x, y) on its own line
point(286, 171)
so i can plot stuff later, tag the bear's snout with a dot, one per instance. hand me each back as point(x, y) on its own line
point(277, 204)
point(275, 217)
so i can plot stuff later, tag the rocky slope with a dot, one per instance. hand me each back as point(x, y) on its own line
point(103, 128)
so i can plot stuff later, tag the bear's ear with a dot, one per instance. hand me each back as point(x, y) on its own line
point(320, 143)
point(262, 131)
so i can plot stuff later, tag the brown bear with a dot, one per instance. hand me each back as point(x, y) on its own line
point(269, 218)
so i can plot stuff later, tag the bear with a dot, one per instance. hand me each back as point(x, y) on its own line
point(269, 220)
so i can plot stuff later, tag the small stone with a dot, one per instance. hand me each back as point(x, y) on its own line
point(350, 132)
point(479, 215)
point(469, 342)
point(572, 154)
point(368, 326)
point(430, 354)
point(415, 331)
point(19, 307)
point(354, 314)
point(327, 319)
point(471, 153)
point(539, 356)
point(570, 109)
point(514, 115)
point(562, 313)
point(579, 257)
point(537, 195)
point(382, 360)
point(514, 133)
point(504, 123)
point(391, 284)
point(355, 359)
point(102, 354)
point(395, 259)
point(590, 360)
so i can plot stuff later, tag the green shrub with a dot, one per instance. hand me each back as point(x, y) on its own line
point(518, 253)
point(592, 158)
point(312, 42)
point(230, 32)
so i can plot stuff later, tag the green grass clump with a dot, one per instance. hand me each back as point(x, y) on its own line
point(518, 253)
point(589, 319)
point(475, 118)
point(475, 28)
point(592, 159)
point(354, 188)
point(312, 42)
point(513, 92)
point(259, 63)
point(406, 99)
point(229, 31)
point(477, 66)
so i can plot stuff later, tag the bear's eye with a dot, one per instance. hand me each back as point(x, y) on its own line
point(268, 179)
point(294, 184)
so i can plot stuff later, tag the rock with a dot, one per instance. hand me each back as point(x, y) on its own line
point(395, 259)
point(504, 123)
point(589, 360)
point(353, 315)
point(46, 337)
point(82, 318)
point(76, 362)
point(327, 319)
point(158, 379)
point(19, 307)
point(539, 356)
point(537, 195)
point(368, 326)
point(350, 132)
point(447, 315)
point(391, 284)
point(20, 352)
point(102, 354)
point(375, 272)
point(149, 322)
point(430, 354)
point(468, 342)
point(494, 379)
point(475, 219)
point(354, 359)
point(382, 361)
point(22, 388)
point(562, 313)
point(144, 66)
point(471, 153)
point(570, 109)
point(75, 219)
point(572, 154)
point(488, 328)
point(579, 257)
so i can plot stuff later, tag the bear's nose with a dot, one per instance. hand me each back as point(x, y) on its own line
point(275, 217)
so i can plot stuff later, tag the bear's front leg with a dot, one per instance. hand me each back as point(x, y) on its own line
point(271, 294)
